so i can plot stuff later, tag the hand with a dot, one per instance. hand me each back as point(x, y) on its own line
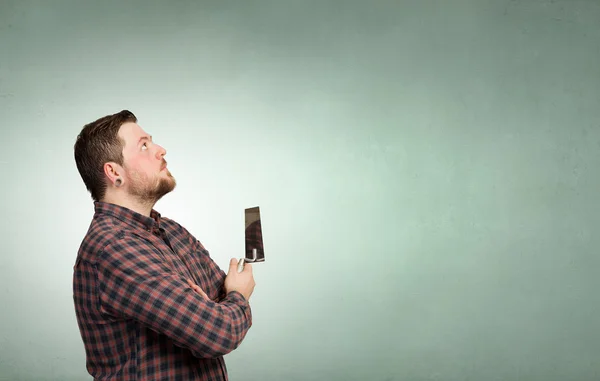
point(242, 282)
point(197, 288)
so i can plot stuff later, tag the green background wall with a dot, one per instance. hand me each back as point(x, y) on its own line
point(427, 173)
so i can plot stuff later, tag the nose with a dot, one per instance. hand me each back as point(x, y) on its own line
point(160, 152)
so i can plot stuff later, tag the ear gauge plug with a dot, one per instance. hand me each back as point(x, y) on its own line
point(118, 182)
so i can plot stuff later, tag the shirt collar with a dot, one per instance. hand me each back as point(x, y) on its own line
point(135, 219)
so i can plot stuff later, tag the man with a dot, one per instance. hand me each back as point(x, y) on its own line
point(150, 302)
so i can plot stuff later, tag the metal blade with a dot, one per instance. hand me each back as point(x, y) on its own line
point(254, 242)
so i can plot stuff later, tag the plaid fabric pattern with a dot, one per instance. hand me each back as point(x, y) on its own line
point(138, 317)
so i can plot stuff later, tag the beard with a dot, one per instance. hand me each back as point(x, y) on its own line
point(149, 190)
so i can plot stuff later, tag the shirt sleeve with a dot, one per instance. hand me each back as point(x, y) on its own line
point(217, 276)
point(135, 283)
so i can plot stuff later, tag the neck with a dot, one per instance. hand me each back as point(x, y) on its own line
point(130, 202)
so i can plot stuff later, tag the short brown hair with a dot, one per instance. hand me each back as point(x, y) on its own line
point(98, 143)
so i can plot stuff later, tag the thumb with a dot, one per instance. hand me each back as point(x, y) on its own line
point(233, 264)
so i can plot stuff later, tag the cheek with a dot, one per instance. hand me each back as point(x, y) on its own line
point(135, 170)
point(139, 167)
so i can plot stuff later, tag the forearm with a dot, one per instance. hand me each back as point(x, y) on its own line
point(166, 304)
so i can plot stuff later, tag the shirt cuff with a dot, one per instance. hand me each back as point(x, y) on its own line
point(236, 297)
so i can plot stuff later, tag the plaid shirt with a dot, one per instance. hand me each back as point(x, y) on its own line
point(138, 317)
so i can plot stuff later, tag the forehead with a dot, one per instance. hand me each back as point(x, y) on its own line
point(131, 133)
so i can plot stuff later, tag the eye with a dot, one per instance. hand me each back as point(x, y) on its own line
point(144, 146)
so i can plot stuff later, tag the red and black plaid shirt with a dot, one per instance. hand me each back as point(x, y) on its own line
point(138, 317)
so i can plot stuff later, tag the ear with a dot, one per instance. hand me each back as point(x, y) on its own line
point(113, 171)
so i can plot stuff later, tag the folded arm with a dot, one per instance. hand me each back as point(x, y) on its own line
point(134, 283)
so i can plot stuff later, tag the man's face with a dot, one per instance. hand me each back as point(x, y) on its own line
point(146, 174)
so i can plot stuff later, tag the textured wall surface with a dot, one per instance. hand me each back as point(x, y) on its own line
point(427, 173)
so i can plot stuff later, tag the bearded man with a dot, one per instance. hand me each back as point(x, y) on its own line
point(150, 302)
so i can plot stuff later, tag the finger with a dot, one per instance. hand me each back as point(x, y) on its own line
point(195, 287)
point(248, 267)
point(200, 291)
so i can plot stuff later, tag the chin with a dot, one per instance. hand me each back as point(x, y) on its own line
point(170, 178)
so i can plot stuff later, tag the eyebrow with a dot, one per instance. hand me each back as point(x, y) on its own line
point(145, 138)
